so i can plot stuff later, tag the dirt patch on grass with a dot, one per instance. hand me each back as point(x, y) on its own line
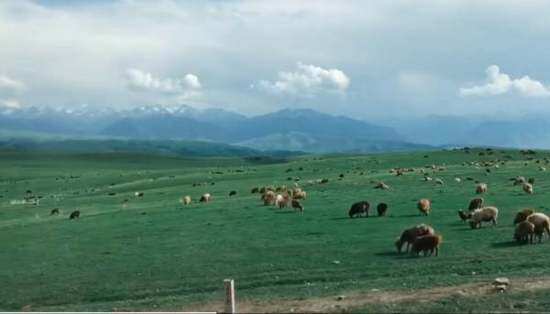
point(356, 300)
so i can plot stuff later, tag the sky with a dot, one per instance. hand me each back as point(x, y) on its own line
point(364, 59)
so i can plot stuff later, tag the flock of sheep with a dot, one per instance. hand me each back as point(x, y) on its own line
point(422, 237)
point(419, 238)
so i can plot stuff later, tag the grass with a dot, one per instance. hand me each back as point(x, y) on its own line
point(157, 254)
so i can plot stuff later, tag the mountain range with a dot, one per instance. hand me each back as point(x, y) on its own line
point(288, 129)
point(302, 130)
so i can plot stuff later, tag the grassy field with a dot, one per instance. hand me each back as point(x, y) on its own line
point(156, 254)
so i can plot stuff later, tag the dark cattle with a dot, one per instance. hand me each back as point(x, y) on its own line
point(382, 208)
point(54, 211)
point(232, 193)
point(75, 215)
point(255, 190)
point(359, 208)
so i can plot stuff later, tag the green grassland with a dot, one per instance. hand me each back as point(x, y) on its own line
point(156, 254)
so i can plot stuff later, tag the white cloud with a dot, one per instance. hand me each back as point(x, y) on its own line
point(10, 85)
point(307, 81)
point(9, 89)
point(500, 83)
point(143, 81)
point(10, 103)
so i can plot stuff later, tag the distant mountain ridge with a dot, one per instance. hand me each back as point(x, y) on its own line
point(288, 129)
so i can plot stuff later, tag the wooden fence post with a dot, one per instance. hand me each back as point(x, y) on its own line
point(229, 285)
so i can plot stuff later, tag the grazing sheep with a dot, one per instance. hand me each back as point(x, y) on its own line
point(542, 224)
point(428, 244)
point(281, 188)
point(232, 193)
point(205, 198)
point(296, 205)
point(138, 194)
point(359, 208)
point(381, 185)
point(475, 203)
point(485, 214)
point(54, 211)
point(438, 181)
point(481, 188)
point(281, 201)
point(524, 232)
point(264, 189)
point(186, 200)
point(426, 178)
point(298, 194)
point(268, 198)
point(527, 188)
point(424, 206)
point(519, 180)
point(409, 235)
point(522, 215)
point(458, 180)
point(382, 208)
point(464, 216)
point(75, 215)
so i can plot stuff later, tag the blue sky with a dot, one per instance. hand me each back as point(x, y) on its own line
point(366, 59)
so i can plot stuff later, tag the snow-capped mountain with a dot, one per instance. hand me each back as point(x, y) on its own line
point(183, 122)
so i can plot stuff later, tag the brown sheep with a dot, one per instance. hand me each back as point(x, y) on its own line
point(524, 232)
point(409, 235)
point(527, 188)
point(297, 205)
point(205, 198)
point(481, 188)
point(424, 206)
point(298, 194)
point(382, 208)
point(475, 203)
point(427, 244)
point(522, 215)
point(542, 224)
point(268, 198)
point(485, 214)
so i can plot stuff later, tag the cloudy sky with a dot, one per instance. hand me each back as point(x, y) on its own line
point(367, 59)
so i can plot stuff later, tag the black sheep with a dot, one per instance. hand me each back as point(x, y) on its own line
point(359, 208)
point(75, 214)
point(382, 208)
